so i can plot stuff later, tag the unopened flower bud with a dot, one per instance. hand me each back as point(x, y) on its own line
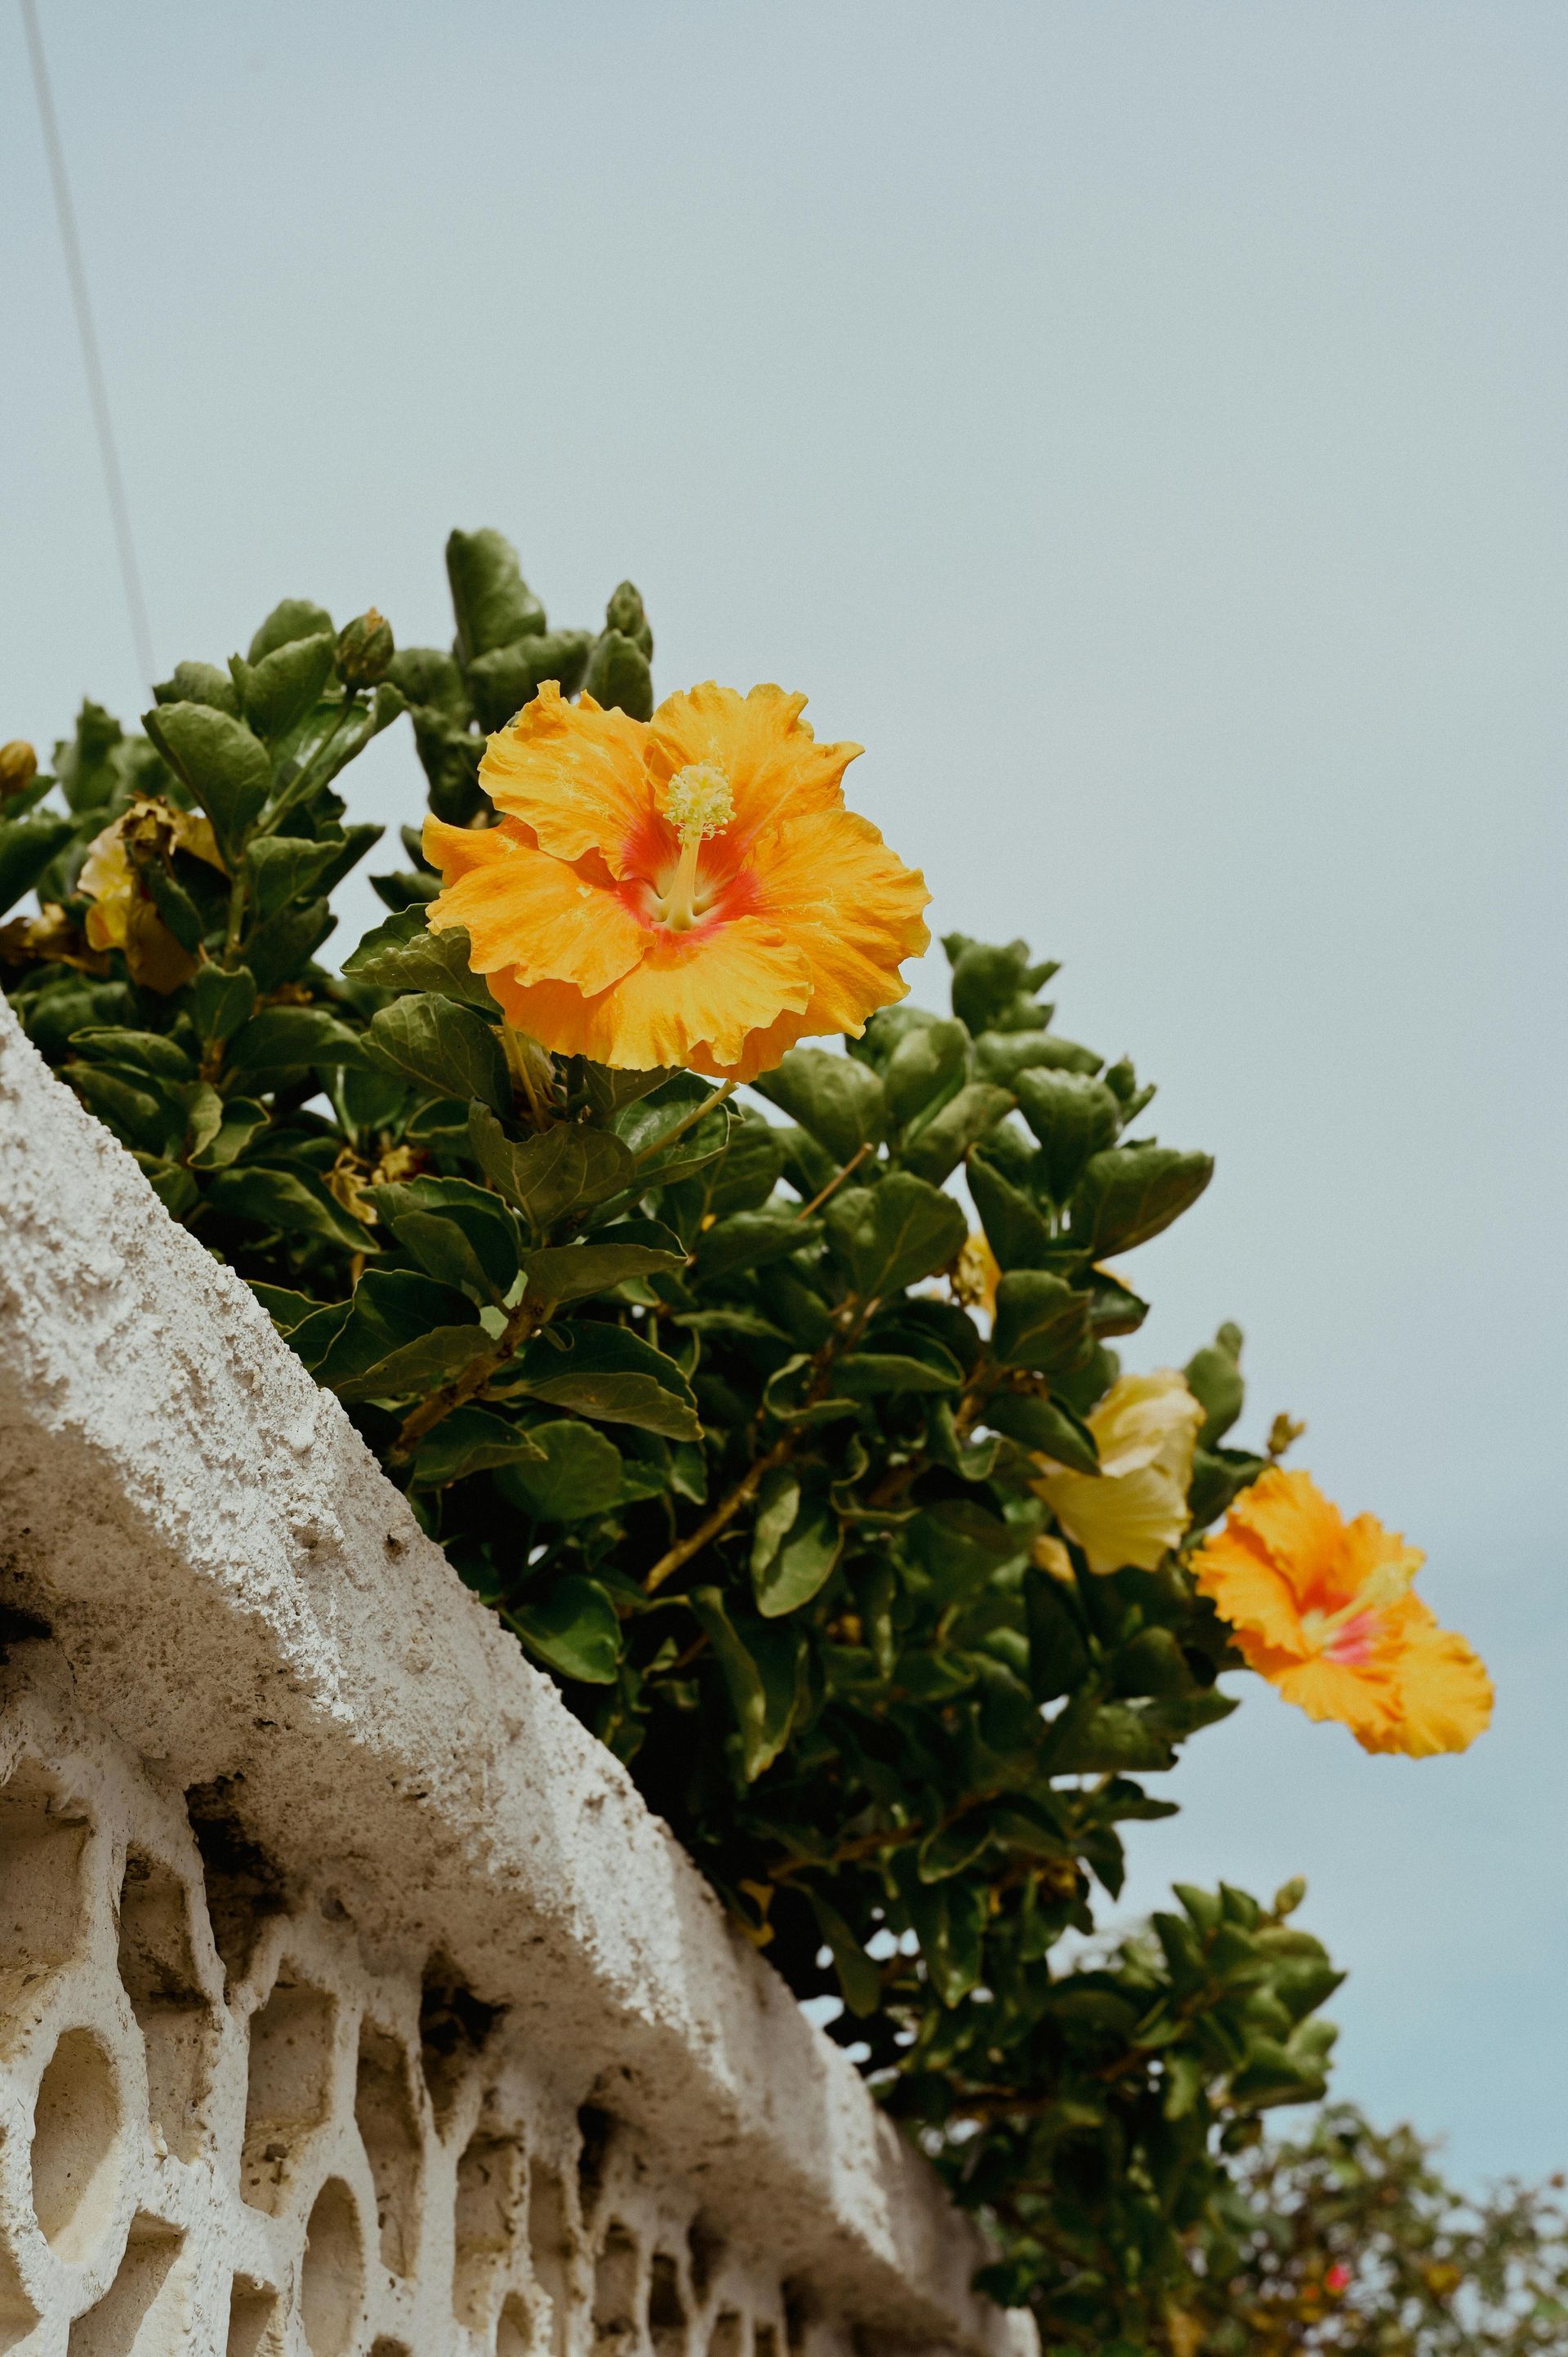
point(365, 648)
point(18, 765)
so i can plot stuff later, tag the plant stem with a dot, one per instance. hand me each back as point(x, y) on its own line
point(465, 1386)
point(689, 1120)
point(818, 1199)
point(724, 1511)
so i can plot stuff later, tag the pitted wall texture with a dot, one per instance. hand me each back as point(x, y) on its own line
point(350, 1997)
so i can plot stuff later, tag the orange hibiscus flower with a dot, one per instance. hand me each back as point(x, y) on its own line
point(685, 890)
point(1323, 1609)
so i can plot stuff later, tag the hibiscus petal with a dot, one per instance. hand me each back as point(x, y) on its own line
point(1130, 1519)
point(1443, 1694)
point(575, 774)
point(768, 754)
point(690, 995)
point(539, 918)
point(1364, 1700)
point(830, 882)
point(1247, 1587)
point(1302, 1531)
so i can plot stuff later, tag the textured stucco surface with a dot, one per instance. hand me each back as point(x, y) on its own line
point(239, 1594)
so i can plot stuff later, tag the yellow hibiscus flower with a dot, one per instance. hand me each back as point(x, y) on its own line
point(1323, 1609)
point(1134, 1508)
point(685, 890)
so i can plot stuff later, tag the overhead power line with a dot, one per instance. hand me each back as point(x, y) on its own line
point(97, 390)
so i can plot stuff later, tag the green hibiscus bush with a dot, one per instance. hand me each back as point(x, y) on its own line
point(704, 1398)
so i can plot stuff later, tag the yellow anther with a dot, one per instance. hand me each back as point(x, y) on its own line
point(698, 801)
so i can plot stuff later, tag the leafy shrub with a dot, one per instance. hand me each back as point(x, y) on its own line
point(717, 1412)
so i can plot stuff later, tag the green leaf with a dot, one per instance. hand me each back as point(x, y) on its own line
point(471, 1440)
point(291, 618)
point(240, 1118)
point(619, 677)
point(1002, 1055)
point(1041, 1321)
point(573, 1272)
point(949, 1923)
point(760, 1663)
point(392, 1308)
point(935, 1150)
point(503, 681)
point(579, 1472)
point(293, 1201)
point(836, 1099)
point(1073, 1117)
point(562, 1170)
point(574, 1631)
point(417, 1369)
point(1133, 1192)
point(173, 1187)
point(224, 766)
point(917, 1365)
point(145, 1051)
point(198, 682)
point(280, 1037)
point(926, 1066)
point(803, 1564)
point(174, 905)
point(279, 947)
point(1213, 1379)
point(219, 1002)
point(602, 1371)
point(283, 867)
point(1112, 1737)
point(458, 1233)
point(491, 601)
point(280, 689)
point(404, 955)
point(1014, 1228)
point(753, 1164)
point(751, 1239)
point(27, 848)
point(447, 1049)
point(891, 1235)
point(859, 1978)
point(1049, 1425)
point(286, 1309)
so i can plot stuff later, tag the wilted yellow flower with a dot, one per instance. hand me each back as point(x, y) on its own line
point(1134, 1507)
point(976, 1275)
point(1323, 1609)
point(124, 915)
point(18, 765)
point(685, 890)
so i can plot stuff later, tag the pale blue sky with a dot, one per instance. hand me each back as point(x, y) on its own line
point(1143, 427)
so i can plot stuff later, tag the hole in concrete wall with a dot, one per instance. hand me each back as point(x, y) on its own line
point(158, 1968)
point(514, 2332)
point(385, 2347)
point(487, 2202)
point(389, 2125)
point(17, 2314)
point(705, 2249)
point(255, 2321)
point(19, 1626)
point(243, 1886)
point(615, 2291)
point(124, 2319)
point(41, 1843)
point(76, 2144)
point(666, 2308)
point(800, 2309)
point(290, 2085)
point(332, 2278)
point(728, 2336)
point(595, 2129)
point(765, 2341)
point(453, 2026)
point(550, 2250)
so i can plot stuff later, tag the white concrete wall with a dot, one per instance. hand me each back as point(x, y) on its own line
point(390, 1805)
